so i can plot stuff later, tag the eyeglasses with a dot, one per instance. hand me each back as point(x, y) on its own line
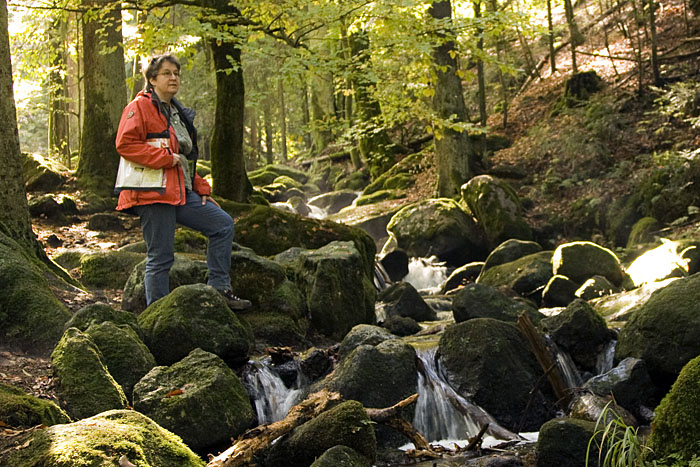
point(171, 74)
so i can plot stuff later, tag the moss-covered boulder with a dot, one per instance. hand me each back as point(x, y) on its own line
point(664, 331)
point(461, 276)
point(402, 299)
point(400, 176)
point(338, 293)
point(643, 231)
point(42, 174)
point(526, 275)
point(676, 428)
point(510, 250)
point(438, 227)
point(97, 313)
point(618, 307)
point(378, 196)
point(341, 456)
point(194, 316)
point(46, 207)
point(484, 301)
point(581, 260)
point(30, 315)
point(559, 291)
point(84, 386)
point(277, 329)
point(564, 442)
point(21, 410)
point(363, 334)
point(126, 356)
point(69, 258)
point(496, 207)
point(270, 231)
point(108, 269)
point(102, 440)
point(198, 398)
point(105, 222)
point(184, 271)
point(596, 287)
point(267, 174)
point(333, 201)
point(346, 424)
point(489, 362)
point(372, 218)
point(580, 331)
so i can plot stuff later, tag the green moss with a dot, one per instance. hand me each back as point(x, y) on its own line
point(18, 409)
point(276, 328)
point(108, 269)
point(97, 313)
point(68, 259)
point(642, 231)
point(377, 196)
point(190, 241)
point(101, 440)
point(676, 428)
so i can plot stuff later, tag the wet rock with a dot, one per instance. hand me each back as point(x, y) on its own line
point(198, 398)
point(595, 408)
point(402, 299)
point(194, 316)
point(363, 334)
point(620, 306)
point(395, 264)
point(317, 363)
point(484, 301)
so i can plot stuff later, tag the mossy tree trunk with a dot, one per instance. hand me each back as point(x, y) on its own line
point(376, 148)
point(454, 149)
point(14, 213)
point(227, 159)
point(105, 94)
point(283, 119)
point(59, 128)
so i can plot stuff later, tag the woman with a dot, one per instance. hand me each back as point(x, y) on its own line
point(156, 132)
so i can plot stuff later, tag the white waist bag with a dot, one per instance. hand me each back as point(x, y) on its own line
point(133, 176)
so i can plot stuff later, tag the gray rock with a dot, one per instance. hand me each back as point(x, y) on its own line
point(402, 299)
point(341, 456)
point(363, 334)
point(484, 301)
point(527, 275)
point(510, 250)
point(333, 201)
point(564, 442)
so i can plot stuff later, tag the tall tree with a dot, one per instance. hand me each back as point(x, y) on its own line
point(283, 119)
point(453, 148)
point(59, 124)
point(14, 215)
point(105, 94)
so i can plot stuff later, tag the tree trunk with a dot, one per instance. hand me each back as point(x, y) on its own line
point(14, 215)
point(59, 127)
point(227, 159)
point(574, 33)
point(454, 150)
point(550, 38)
point(305, 115)
point(105, 97)
point(480, 63)
point(322, 104)
point(267, 118)
point(654, 46)
point(283, 120)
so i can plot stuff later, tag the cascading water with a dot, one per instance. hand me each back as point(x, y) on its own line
point(271, 397)
point(606, 357)
point(426, 274)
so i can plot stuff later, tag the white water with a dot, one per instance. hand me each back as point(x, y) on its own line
point(272, 399)
point(606, 358)
point(426, 274)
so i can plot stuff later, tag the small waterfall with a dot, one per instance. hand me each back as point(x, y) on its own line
point(271, 397)
point(566, 365)
point(316, 212)
point(441, 413)
point(606, 357)
point(426, 274)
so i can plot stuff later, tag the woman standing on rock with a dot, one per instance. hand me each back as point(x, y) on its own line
point(157, 180)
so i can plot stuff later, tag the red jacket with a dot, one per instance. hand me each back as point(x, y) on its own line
point(142, 120)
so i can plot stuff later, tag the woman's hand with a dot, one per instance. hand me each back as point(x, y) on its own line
point(206, 198)
point(177, 159)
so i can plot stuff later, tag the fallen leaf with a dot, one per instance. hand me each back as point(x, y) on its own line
point(175, 392)
point(26, 372)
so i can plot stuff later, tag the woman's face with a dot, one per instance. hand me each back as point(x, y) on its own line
point(167, 82)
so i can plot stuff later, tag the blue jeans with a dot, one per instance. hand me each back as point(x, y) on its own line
point(158, 222)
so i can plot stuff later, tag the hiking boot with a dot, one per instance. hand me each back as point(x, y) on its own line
point(233, 302)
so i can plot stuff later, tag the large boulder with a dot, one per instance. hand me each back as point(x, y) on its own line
point(676, 428)
point(198, 398)
point(438, 227)
point(496, 207)
point(194, 316)
point(371, 218)
point(462, 276)
point(100, 312)
point(489, 362)
point(108, 269)
point(333, 201)
point(620, 306)
point(526, 275)
point(559, 291)
point(564, 442)
point(30, 315)
point(402, 299)
point(338, 293)
point(267, 174)
point(126, 356)
point(510, 250)
point(346, 424)
point(664, 331)
point(580, 331)
point(21, 410)
point(363, 334)
point(184, 271)
point(484, 301)
point(580, 261)
point(42, 174)
point(84, 386)
point(102, 440)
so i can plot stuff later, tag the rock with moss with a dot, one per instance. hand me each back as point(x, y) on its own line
point(564, 442)
point(665, 330)
point(527, 275)
point(184, 271)
point(102, 440)
point(105, 222)
point(270, 231)
point(510, 250)
point(438, 227)
point(580, 331)
point(676, 428)
point(559, 291)
point(84, 386)
point(372, 218)
point(347, 424)
point(267, 174)
point(126, 356)
point(100, 312)
point(198, 398)
point(401, 325)
point(277, 329)
point(108, 269)
point(42, 174)
point(194, 316)
point(461, 276)
point(400, 174)
point(619, 307)
point(69, 259)
point(402, 299)
point(377, 196)
point(581, 260)
point(31, 317)
point(496, 207)
point(21, 410)
point(643, 231)
point(341, 456)
point(338, 293)
point(47, 208)
point(596, 287)
point(484, 301)
point(333, 201)
point(489, 362)
point(94, 202)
